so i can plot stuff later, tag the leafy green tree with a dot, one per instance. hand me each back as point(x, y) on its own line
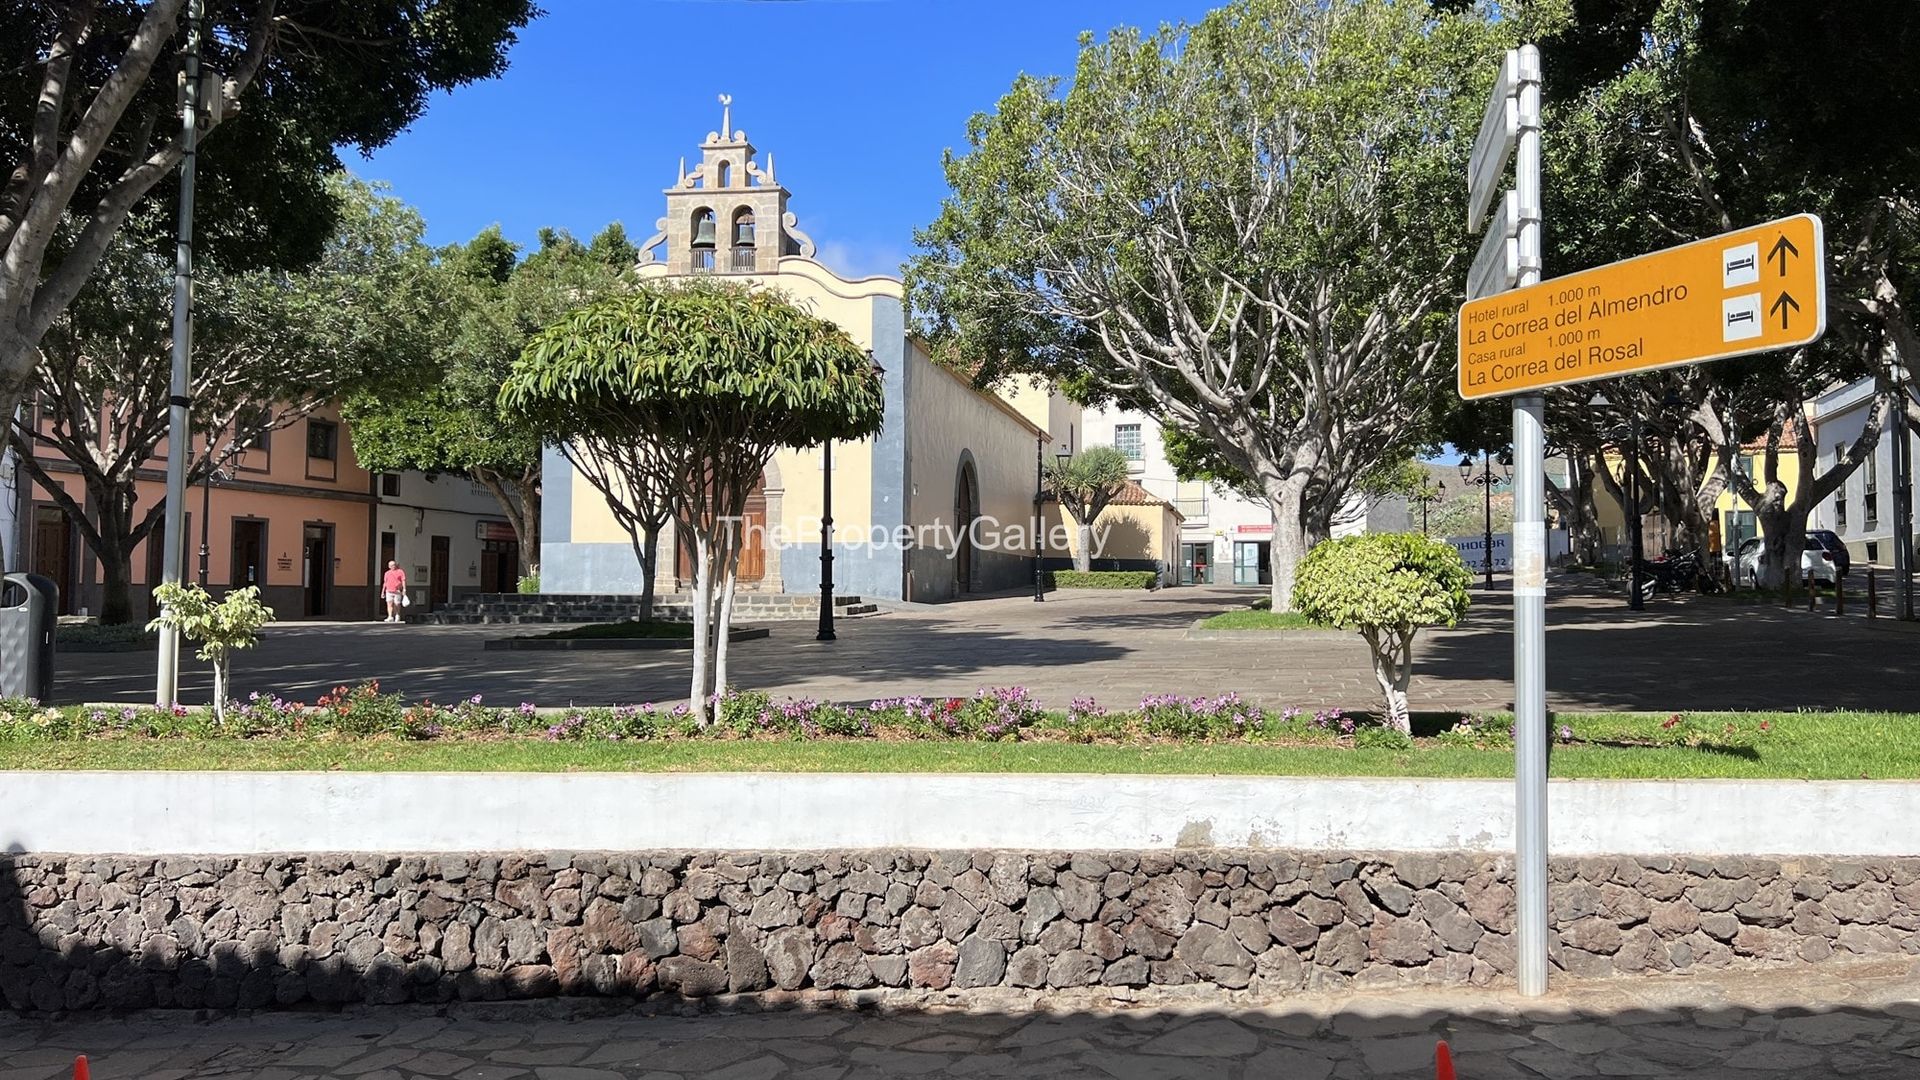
point(711, 379)
point(221, 628)
point(1085, 484)
point(1386, 586)
point(1673, 120)
point(447, 418)
point(270, 348)
point(1249, 225)
point(89, 129)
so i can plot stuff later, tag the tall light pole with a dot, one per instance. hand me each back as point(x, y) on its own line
point(1636, 545)
point(1902, 498)
point(825, 632)
point(1039, 510)
point(1485, 481)
point(213, 477)
point(179, 433)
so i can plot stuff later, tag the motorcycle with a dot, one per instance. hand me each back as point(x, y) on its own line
point(1675, 572)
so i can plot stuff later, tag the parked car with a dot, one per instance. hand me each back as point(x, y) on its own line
point(1830, 542)
point(1816, 562)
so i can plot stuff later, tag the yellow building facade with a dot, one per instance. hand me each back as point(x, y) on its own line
point(942, 503)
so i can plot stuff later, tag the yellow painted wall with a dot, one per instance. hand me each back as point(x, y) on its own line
point(1132, 532)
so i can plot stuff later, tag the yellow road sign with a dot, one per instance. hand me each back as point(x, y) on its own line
point(1747, 291)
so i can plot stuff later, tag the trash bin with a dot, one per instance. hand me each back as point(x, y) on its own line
point(29, 609)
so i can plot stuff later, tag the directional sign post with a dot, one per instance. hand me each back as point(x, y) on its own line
point(1748, 291)
point(1509, 256)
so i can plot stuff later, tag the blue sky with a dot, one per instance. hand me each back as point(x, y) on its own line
point(855, 98)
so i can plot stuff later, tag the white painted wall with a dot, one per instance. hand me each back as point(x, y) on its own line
point(1226, 517)
point(449, 506)
point(1838, 418)
point(152, 813)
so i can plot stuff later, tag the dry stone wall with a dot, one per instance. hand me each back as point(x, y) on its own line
point(259, 931)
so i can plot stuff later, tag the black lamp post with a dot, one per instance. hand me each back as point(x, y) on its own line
point(1039, 494)
point(1637, 550)
point(1426, 498)
point(825, 632)
point(213, 477)
point(1486, 481)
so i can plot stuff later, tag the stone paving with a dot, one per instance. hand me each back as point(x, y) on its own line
point(1851, 1021)
point(1686, 653)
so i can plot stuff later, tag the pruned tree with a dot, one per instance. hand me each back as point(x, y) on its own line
point(89, 128)
point(271, 348)
point(1085, 484)
point(1248, 225)
point(711, 379)
point(1386, 586)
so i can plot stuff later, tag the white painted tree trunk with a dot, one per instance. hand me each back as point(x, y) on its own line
point(1083, 555)
point(702, 618)
point(1393, 668)
point(220, 660)
point(724, 630)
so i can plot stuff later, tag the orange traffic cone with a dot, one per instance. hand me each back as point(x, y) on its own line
point(1443, 1061)
point(80, 1071)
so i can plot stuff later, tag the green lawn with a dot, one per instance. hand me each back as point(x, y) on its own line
point(1797, 746)
point(623, 631)
point(1260, 620)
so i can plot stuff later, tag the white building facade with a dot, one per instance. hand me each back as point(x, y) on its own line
point(1861, 511)
point(448, 533)
point(1225, 539)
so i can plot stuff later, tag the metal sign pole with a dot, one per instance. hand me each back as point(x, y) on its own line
point(179, 432)
point(1530, 585)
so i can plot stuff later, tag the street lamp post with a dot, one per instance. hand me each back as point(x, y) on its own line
point(1426, 498)
point(214, 476)
point(1636, 551)
point(1039, 494)
point(1486, 482)
point(825, 632)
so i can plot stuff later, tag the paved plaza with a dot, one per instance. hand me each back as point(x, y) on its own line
point(1688, 653)
point(1838, 1021)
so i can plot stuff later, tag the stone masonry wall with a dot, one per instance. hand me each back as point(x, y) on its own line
point(91, 932)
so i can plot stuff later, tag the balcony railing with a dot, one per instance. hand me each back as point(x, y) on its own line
point(1191, 508)
point(742, 260)
point(702, 260)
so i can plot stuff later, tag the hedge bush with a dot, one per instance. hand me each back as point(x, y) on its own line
point(1104, 579)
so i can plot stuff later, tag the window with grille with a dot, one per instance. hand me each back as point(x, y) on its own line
point(322, 438)
point(1126, 439)
point(1190, 498)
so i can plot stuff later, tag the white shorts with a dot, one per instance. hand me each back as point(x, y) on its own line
point(394, 597)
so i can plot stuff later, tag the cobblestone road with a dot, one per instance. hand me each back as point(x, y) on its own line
point(1852, 1021)
point(1679, 654)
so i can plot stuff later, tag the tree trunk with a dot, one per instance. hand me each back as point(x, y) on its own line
point(730, 581)
point(1293, 537)
point(1393, 668)
point(649, 565)
point(220, 688)
point(1083, 555)
point(116, 586)
point(702, 617)
point(522, 509)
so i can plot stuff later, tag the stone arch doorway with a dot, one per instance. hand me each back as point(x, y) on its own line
point(966, 511)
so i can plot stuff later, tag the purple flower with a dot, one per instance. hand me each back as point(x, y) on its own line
point(1566, 734)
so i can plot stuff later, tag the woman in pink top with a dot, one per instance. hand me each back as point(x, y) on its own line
point(393, 586)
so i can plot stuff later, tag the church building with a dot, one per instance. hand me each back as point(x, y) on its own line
point(938, 505)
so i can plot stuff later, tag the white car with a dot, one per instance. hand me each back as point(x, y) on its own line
point(1816, 562)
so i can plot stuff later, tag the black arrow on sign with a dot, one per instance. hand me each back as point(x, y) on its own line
point(1780, 306)
point(1780, 249)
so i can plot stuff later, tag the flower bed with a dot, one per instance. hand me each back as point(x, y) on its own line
point(998, 714)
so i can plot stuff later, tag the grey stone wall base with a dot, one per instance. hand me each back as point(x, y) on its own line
point(288, 930)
